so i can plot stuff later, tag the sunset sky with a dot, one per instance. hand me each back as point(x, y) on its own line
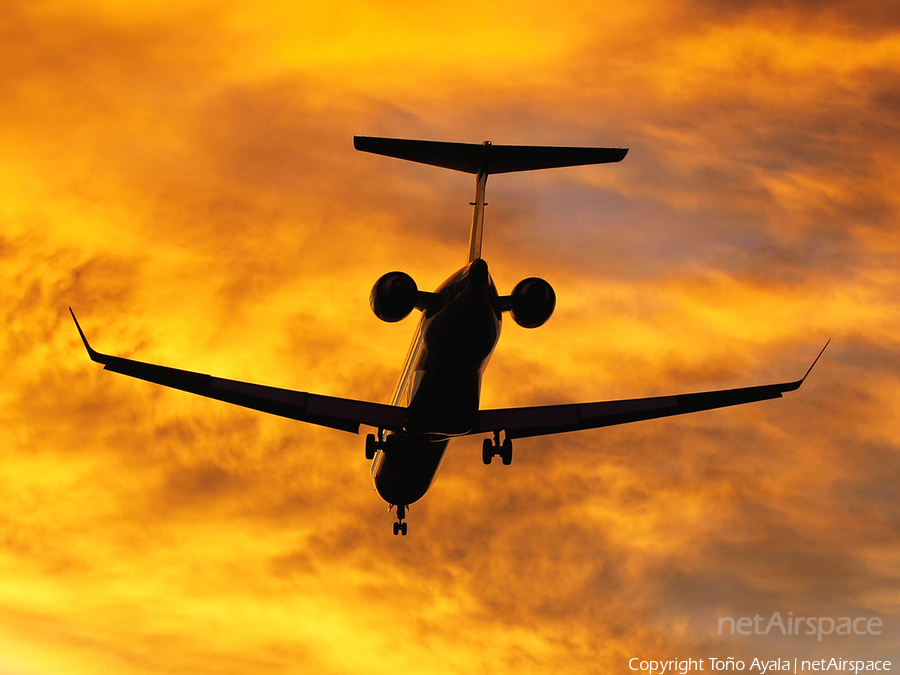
point(183, 176)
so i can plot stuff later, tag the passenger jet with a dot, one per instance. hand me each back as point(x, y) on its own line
point(437, 396)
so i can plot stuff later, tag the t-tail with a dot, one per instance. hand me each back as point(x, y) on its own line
point(483, 159)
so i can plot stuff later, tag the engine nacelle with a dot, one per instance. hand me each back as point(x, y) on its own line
point(393, 296)
point(532, 302)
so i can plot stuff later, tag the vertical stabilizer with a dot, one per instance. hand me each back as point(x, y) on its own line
point(484, 159)
point(478, 211)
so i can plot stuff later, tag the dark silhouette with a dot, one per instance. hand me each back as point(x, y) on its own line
point(437, 396)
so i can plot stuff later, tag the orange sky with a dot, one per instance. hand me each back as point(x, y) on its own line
point(185, 179)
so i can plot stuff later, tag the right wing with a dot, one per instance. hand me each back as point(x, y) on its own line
point(556, 419)
point(327, 411)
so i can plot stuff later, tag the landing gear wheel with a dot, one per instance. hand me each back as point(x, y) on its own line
point(400, 526)
point(371, 444)
point(506, 452)
point(390, 443)
point(487, 451)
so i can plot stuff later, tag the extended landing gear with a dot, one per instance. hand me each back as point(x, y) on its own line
point(380, 443)
point(493, 447)
point(400, 526)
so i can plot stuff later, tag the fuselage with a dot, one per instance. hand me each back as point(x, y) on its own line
point(440, 385)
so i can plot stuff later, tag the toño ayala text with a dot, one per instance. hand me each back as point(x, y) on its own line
point(797, 625)
point(686, 666)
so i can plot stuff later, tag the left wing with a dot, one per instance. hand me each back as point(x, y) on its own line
point(327, 411)
point(556, 419)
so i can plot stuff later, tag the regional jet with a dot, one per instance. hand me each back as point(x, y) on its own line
point(437, 396)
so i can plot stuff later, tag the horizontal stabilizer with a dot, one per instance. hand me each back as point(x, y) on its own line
point(474, 157)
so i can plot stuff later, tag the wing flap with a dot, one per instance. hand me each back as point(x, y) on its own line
point(328, 411)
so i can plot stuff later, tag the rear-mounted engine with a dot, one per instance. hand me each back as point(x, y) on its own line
point(532, 302)
point(394, 296)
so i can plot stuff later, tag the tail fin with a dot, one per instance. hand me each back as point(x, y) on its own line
point(483, 159)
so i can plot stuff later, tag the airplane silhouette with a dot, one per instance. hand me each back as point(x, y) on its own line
point(437, 396)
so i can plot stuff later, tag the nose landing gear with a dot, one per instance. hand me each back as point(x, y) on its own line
point(493, 447)
point(400, 526)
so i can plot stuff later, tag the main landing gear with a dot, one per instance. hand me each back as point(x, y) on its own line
point(493, 447)
point(381, 443)
point(400, 526)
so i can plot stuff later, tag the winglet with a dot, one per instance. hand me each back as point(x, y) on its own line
point(793, 386)
point(816, 361)
point(95, 355)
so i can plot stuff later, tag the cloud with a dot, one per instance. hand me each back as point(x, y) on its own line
point(185, 179)
point(864, 18)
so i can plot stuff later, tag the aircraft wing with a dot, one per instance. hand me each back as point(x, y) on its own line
point(328, 411)
point(556, 419)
